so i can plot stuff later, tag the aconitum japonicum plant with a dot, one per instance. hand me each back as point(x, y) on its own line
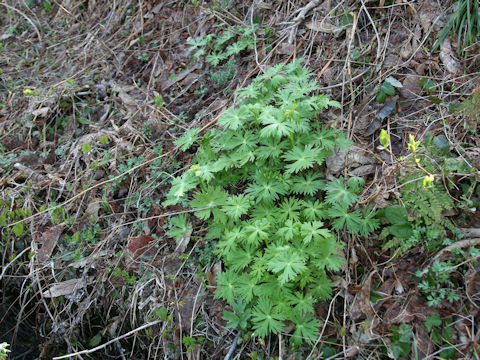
point(257, 182)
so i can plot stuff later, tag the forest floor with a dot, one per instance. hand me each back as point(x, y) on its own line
point(93, 95)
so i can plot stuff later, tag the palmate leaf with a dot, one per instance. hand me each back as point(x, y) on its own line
point(303, 157)
point(265, 210)
point(326, 256)
point(322, 288)
point(250, 91)
point(337, 193)
point(307, 184)
point(306, 328)
point(180, 186)
point(343, 217)
point(204, 172)
point(290, 209)
point(187, 139)
point(209, 201)
point(270, 148)
point(323, 102)
point(257, 231)
point(289, 230)
point(214, 58)
point(267, 318)
point(287, 263)
point(239, 318)
point(241, 257)
point(226, 284)
point(234, 118)
point(325, 138)
point(237, 205)
point(313, 230)
point(276, 126)
point(302, 303)
point(246, 286)
point(267, 188)
point(244, 142)
point(230, 241)
point(179, 227)
point(369, 222)
point(314, 210)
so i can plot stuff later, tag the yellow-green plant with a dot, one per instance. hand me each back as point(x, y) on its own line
point(257, 182)
point(4, 351)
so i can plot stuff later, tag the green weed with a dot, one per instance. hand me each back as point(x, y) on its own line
point(387, 89)
point(4, 351)
point(257, 182)
point(465, 21)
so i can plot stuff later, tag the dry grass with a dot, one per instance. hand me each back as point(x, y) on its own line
point(121, 287)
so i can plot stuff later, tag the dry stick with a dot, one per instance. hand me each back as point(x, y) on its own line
point(112, 179)
point(11, 262)
point(233, 347)
point(300, 17)
point(330, 309)
point(99, 347)
point(374, 28)
point(458, 245)
point(319, 75)
point(94, 187)
point(349, 69)
point(26, 17)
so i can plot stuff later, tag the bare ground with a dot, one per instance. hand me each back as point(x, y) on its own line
point(82, 136)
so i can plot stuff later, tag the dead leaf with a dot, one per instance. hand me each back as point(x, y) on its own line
point(138, 245)
point(336, 161)
point(262, 5)
point(63, 288)
point(362, 306)
point(181, 75)
point(286, 49)
point(324, 26)
point(188, 304)
point(48, 240)
point(91, 212)
point(126, 99)
point(424, 344)
point(41, 112)
point(411, 87)
point(363, 170)
point(184, 240)
point(448, 58)
point(387, 110)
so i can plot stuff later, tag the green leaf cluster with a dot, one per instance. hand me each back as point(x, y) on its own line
point(420, 220)
point(218, 48)
point(258, 183)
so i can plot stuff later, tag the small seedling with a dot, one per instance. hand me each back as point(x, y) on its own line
point(387, 89)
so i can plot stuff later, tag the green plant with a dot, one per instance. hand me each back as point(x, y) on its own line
point(441, 333)
point(217, 49)
point(469, 109)
point(143, 57)
point(158, 100)
point(401, 338)
point(224, 74)
point(4, 351)
point(420, 219)
point(387, 89)
point(257, 182)
point(465, 21)
point(47, 7)
point(189, 342)
point(437, 286)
